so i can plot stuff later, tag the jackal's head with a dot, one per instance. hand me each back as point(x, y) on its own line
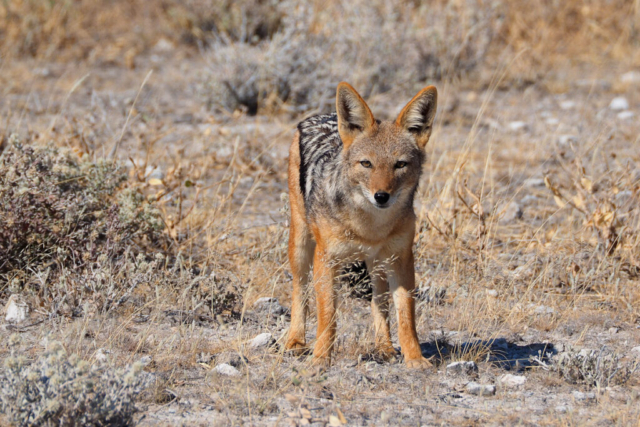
point(384, 159)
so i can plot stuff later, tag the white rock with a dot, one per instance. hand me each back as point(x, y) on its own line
point(512, 381)
point(16, 311)
point(630, 77)
point(163, 45)
point(226, 369)
point(508, 212)
point(567, 105)
point(262, 341)
point(614, 330)
point(552, 121)
point(619, 103)
point(101, 355)
point(534, 182)
point(492, 293)
point(542, 309)
point(636, 349)
point(624, 115)
point(518, 126)
point(567, 139)
point(492, 124)
point(480, 389)
point(562, 409)
point(578, 395)
point(464, 367)
point(269, 305)
point(145, 360)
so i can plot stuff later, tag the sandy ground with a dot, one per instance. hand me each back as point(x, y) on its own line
point(524, 305)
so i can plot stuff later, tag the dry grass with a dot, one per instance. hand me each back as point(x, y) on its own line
point(528, 241)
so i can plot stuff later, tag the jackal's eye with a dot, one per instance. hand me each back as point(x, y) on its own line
point(401, 164)
point(366, 163)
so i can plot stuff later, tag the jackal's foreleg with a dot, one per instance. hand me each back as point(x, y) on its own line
point(380, 312)
point(402, 284)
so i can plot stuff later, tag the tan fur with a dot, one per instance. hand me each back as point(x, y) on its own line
point(301, 245)
point(346, 96)
point(409, 116)
point(362, 231)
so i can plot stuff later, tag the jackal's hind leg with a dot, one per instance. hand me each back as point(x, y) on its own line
point(324, 276)
point(301, 247)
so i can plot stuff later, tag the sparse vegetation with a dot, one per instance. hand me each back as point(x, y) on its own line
point(528, 242)
point(598, 368)
point(62, 390)
point(60, 211)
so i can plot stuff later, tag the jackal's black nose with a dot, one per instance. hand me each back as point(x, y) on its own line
point(381, 197)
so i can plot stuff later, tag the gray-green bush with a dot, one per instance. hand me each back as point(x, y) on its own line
point(62, 390)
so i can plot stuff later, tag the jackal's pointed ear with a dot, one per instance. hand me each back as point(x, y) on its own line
point(354, 115)
point(417, 116)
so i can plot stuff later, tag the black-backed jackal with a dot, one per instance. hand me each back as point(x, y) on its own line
point(352, 180)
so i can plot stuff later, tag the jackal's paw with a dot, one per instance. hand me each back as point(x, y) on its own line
point(321, 363)
point(386, 353)
point(418, 363)
point(296, 348)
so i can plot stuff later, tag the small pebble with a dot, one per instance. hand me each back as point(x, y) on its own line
point(567, 139)
point(624, 115)
point(262, 341)
point(512, 381)
point(464, 367)
point(101, 355)
point(480, 389)
point(578, 395)
point(518, 126)
point(534, 182)
point(542, 309)
point(269, 305)
point(145, 360)
point(226, 369)
point(567, 105)
point(619, 103)
point(631, 77)
point(16, 310)
point(508, 212)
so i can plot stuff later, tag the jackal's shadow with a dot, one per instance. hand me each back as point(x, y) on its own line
point(499, 351)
